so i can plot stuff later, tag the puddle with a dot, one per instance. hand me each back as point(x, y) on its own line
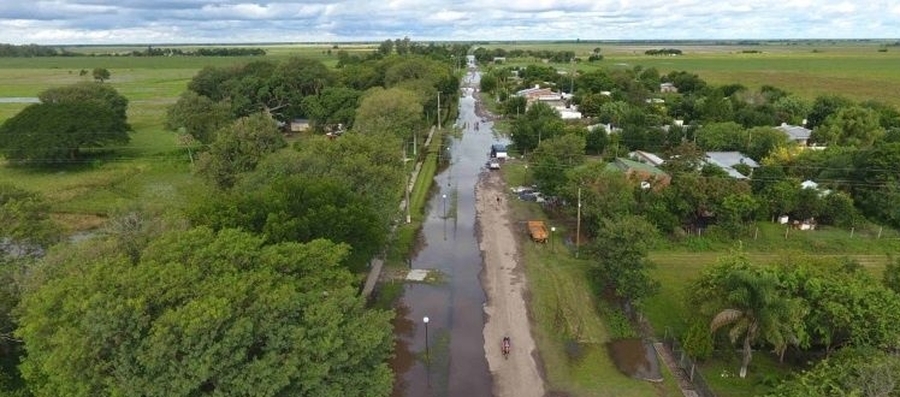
point(636, 358)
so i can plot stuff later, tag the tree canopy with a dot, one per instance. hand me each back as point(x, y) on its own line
point(203, 313)
point(67, 120)
point(55, 133)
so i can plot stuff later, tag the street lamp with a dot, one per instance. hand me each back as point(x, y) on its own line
point(552, 245)
point(425, 320)
point(526, 175)
point(444, 197)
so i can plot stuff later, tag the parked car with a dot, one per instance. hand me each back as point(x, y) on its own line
point(494, 164)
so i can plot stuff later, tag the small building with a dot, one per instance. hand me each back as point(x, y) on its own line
point(299, 125)
point(796, 133)
point(646, 158)
point(532, 94)
point(728, 160)
point(498, 151)
point(647, 175)
point(667, 87)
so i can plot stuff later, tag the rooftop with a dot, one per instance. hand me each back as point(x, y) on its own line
point(795, 132)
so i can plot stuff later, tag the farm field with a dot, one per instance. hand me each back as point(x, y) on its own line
point(857, 70)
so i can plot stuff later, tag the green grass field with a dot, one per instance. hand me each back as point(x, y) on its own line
point(856, 70)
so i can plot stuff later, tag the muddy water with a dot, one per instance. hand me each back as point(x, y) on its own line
point(453, 363)
point(635, 358)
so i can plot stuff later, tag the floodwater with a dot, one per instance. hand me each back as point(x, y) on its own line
point(15, 99)
point(453, 364)
point(636, 358)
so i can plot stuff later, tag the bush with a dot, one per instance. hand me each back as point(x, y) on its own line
point(697, 342)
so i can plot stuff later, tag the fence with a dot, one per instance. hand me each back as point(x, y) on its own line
point(688, 366)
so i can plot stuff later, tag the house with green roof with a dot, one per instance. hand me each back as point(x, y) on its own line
point(645, 174)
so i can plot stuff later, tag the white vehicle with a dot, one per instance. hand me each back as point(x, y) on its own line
point(494, 164)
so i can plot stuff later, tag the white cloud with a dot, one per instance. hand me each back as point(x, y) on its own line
point(155, 21)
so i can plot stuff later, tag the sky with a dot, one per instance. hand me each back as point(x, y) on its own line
point(275, 21)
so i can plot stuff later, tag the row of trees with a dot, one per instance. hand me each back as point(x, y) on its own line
point(214, 51)
point(304, 88)
point(32, 50)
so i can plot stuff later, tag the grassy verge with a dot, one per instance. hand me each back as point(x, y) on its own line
point(406, 236)
point(571, 328)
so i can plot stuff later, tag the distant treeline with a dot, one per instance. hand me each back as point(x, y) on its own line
point(663, 51)
point(484, 55)
point(34, 50)
point(203, 52)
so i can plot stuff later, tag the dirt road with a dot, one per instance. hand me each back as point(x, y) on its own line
point(504, 284)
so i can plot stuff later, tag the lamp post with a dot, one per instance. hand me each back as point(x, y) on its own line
point(425, 320)
point(526, 175)
point(444, 197)
point(552, 244)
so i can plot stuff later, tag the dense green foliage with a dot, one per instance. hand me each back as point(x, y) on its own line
point(620, 261)
point(853, 372)
point(68, 119)
point(238, 149)
point(202, 313)
point(806, 305)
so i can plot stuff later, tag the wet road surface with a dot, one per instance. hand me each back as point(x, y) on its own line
point(453, 363)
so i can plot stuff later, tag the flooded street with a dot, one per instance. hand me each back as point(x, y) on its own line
point(453, 363)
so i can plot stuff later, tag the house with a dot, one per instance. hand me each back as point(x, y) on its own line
point(299, 125)
point(569, 113)
point(609, 128)
point(499, 59)
point(532, 94)
point(796, 133)
point(728, 160)
point(667, 87)
point(646, 158)
point(498, 151)
point(647, 175)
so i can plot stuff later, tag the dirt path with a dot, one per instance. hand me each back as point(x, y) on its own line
point(504, 284)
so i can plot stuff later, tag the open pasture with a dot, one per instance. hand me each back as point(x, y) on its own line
point(859, 70)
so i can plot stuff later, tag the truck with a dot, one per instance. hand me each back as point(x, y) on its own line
point(538, 231)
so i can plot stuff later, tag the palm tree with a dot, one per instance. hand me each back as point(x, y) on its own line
point(755, 309)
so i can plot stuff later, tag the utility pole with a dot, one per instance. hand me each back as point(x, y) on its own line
point(578, 226)
point(439, 110)
point(408, 216)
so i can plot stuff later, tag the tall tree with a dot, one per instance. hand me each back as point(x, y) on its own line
point(620, 261)
point(754, 308)
point(203, 314)
point(238, 148)
point(333, 106)
point(850, 126)
point(100, 74)
point(540, 122)
point(553, 158)
point(56, 133)
point(394, 111)
point(199, 116)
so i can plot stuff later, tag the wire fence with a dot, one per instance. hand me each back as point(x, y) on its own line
point(690, 368)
